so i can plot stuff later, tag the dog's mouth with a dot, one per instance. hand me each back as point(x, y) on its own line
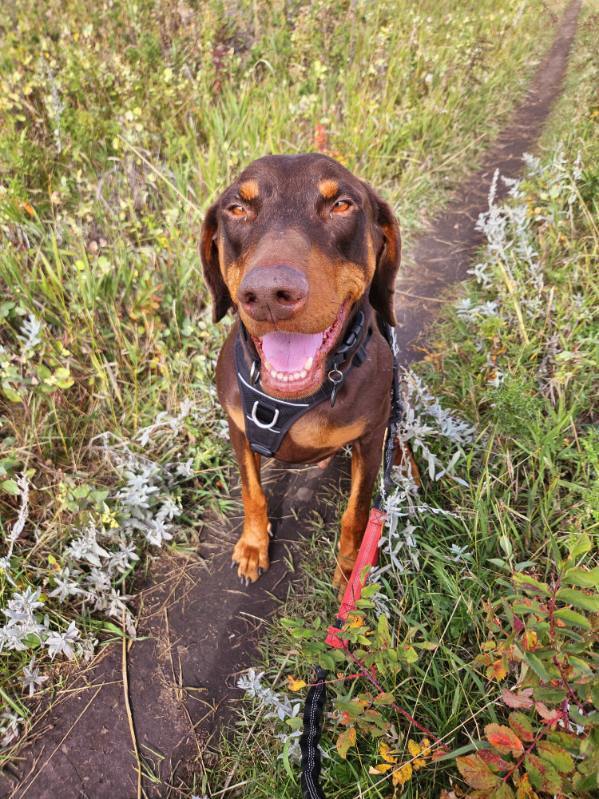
point(294, 363)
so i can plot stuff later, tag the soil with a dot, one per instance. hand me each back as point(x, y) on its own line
point(198, 626)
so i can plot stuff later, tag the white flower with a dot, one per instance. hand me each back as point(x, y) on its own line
point(65, 586)
point(185, 468)
point(459, 553)
point(30, 333)
point(17, 528)
point(281, 706)
point(32, 678)
point(157, 531)
point(21, 607)
point(86, 547)
point(141, 486)
point(9, 728)
point(62, 643)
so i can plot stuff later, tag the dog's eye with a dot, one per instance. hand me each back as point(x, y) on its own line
point(341, 206)
point(236, 210)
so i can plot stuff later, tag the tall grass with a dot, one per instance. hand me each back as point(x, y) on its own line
point(120, 121)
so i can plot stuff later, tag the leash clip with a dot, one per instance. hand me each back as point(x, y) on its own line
point(336, 377)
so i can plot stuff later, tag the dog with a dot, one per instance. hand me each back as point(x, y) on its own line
point(306, 254)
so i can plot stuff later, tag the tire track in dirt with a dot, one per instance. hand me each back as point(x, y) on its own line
point(198, 626)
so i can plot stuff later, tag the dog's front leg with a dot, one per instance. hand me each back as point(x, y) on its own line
point(251, 551)
point(365, 462)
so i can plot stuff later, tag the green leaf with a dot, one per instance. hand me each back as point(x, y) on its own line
point(556, 756)
point(548, 694)
point(10, 487)
point(572, 618)
point(542, 774)
point(11, 393)
point(503, 791)
point(579, 599)
point(522, 726)
point(384, 699)
point(579, 545)
point(585, 578)
point(537, 665)
point(476, 773)
point(530, 584)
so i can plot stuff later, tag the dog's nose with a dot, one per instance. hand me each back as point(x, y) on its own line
point(273, 292)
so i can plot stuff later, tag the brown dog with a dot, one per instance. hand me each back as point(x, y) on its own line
point(303, 251)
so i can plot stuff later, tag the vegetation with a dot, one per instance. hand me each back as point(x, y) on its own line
point(482, 621)
point(120, 121)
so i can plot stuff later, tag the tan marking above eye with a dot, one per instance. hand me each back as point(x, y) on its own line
point(249, 189)
point(328, 188)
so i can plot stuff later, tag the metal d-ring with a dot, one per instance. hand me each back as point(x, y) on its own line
point(264, 426)
point(335, 376)
point(255, 372)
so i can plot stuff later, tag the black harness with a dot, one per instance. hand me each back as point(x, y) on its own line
point(268, 419)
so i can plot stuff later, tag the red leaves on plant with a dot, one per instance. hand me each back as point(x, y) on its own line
point(497, 670)
point(518, 625)
point(494, 760)
point(521, 725)
point(503, 739)
point(525, 790)
point(346, 740)
point(476, 772)
point(549, 716)
point(517, 700)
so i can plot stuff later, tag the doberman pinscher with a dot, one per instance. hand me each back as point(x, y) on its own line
point(306, 254)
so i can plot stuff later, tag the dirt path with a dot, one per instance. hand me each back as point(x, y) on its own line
point(198, 627)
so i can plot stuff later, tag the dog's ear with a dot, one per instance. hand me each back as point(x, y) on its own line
point(221, 299)
point(388, 257)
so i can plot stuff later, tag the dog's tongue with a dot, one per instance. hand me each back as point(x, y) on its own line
point(288, 352)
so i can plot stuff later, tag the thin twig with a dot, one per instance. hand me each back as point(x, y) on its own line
point(420, 297)
point(128, 706)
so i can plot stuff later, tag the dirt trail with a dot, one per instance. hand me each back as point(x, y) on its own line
point(198, 626)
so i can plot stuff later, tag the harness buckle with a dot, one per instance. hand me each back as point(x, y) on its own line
point(264, 425)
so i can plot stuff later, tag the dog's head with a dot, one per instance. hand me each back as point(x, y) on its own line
point(293, 245)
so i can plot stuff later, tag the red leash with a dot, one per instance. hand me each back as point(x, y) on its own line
point(367, 556)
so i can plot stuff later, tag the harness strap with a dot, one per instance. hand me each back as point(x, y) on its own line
point(267, 418)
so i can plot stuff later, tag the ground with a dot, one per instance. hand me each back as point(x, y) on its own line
point(153, 707)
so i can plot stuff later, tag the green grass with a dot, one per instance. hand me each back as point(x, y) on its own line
point(120, 122)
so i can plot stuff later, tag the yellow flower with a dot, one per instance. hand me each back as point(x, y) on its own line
point(385, 753)
point(413, 748)
point(293, 684)
point(402, 775)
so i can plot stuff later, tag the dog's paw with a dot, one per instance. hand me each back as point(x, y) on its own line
point(251, 560)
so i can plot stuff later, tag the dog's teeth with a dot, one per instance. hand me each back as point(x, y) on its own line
point(268, 365)
point(303, 373)
point(284, 377)
point(309, 362)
